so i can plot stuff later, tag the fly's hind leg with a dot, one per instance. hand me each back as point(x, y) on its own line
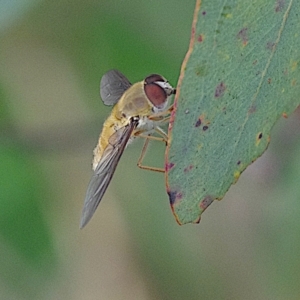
point(162, 134)
point(163, 138)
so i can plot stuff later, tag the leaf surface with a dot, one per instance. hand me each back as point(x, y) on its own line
point(240, 75)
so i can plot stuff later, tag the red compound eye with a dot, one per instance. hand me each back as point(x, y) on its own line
point(155, 93)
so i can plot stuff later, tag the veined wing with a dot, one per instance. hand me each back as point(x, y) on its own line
point(113, 84)
point(105, 170)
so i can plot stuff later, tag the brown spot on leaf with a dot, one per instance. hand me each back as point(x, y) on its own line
point(174, 197)
point(220, 89)
point(258, 138)
point(243, 36)
point(255, 62)
point(206, 202)
point(279, 5)
point(197, 221)
point(200, 38)
point(169, 166)
point(269, 80)
point(284, 114)
point(202, 121)
point(203, 13)
point(252, 109)
point(189, 168)
point(270, 45)
point(198, 123)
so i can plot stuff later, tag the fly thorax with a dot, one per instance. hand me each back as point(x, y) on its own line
point(140, 103)
point(136, 106)
point(128, 107)
point(134, 101)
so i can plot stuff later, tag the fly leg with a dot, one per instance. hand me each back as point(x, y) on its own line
point(161, 117)
point(143, 153)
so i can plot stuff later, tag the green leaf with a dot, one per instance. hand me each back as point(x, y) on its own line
point(240, 75)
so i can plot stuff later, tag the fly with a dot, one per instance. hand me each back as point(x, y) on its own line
point(138, 111)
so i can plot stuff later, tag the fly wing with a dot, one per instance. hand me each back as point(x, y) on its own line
point(113, 84)
point(105, 170)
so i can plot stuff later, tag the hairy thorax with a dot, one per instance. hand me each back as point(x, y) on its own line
point(133, 103)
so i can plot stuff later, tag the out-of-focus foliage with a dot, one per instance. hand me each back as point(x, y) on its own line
point(27, 256)
point(52, 56)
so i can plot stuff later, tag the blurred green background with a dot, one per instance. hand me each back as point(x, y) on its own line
point(52, 56)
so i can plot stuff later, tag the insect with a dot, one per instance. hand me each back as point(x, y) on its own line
point(138, 111)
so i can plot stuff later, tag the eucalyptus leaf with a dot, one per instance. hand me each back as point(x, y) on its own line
point(240, 75)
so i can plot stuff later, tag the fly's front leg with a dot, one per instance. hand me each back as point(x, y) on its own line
point(162, 138)
point(163, 116)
